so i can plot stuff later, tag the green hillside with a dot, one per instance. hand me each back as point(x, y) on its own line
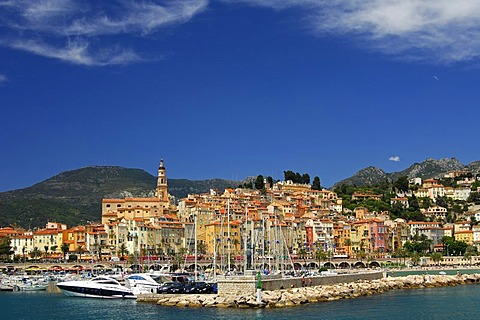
point(74, 197)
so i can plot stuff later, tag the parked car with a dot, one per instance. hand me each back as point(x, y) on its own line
point(171, 287)
point(198, 287)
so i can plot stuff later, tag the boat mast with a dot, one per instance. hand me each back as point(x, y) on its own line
point(252, 245)
point(228, 234)
point(214, 257)
point(245, 264)
point(195, 237)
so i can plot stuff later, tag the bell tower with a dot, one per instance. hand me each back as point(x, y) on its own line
point(161, 191)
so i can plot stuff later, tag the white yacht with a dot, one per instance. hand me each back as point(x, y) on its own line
point(99, 287)
point(143, 283)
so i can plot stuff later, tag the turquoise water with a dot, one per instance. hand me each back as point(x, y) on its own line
point(432, 272)
point(459, 302)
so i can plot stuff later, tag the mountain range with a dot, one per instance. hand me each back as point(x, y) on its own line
point(74, 197)
point(430, 168)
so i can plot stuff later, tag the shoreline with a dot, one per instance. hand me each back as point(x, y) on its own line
point(304, 295)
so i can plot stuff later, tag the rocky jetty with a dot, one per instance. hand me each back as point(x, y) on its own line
point(299, 296)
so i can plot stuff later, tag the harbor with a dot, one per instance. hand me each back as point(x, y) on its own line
point(241, 291)
point(392, 298)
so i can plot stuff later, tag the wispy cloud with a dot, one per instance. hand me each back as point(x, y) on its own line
point(75, 31)
point(433, 31)
point(394, 158)
point(3, 78)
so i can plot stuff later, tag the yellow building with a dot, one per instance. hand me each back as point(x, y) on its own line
point(465, 236)
point(48, 241)
point(217, 233)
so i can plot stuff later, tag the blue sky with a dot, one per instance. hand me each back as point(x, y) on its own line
point(236, 88)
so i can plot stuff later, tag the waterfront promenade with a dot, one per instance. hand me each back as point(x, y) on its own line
point(204, 264)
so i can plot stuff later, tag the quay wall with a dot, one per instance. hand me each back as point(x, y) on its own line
point(298, 296)
point(247, 284)
point(52, 288)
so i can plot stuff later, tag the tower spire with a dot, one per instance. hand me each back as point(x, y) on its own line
point(161, 192)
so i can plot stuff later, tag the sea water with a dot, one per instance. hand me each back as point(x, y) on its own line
point(460, 302)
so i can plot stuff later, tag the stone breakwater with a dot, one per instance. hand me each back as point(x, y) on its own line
point(299, 296)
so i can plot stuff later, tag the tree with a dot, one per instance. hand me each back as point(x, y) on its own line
point(65, 249)
point(453, 247)
point(470, 252)
point(441, 202)
point(436, 257)
point(316, 184)
point(473, 221)
point(46, 252)
point(468, 256)
point(270, 181)
point(320, 255)
point(289, 175)
point(474, 197)
point(259, 183)
point(401, 184)
point(5, 249)
point(298, 178)
point(415, 258)
point(123, 251)
point(361, 254)
point(302, 254)
point(201, 248)
point(413, 203)
point(35, 253)
point(305, 178)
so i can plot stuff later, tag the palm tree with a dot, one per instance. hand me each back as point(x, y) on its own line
point(35, 253)
point(415, 258)
point(320, 255)
point(65, 249)
point(46, 252)
point(23, 253)
point(469, 253)
point(123, 251)
point(361, 254)
point(436, 257)
point(302, 253)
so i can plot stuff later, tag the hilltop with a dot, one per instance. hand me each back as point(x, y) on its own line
point(430, 168)
point(74, 197)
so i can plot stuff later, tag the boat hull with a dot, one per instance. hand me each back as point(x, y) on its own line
point(73, 289)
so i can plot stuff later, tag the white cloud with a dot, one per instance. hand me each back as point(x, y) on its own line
point(394, 158)
point(3, 78)
point(78, 52)
point(47, 27)
point(434, 31)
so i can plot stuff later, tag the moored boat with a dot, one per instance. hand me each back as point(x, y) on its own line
point(142, 283)
point(99, 287)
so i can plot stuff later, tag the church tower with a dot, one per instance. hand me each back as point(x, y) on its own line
point(161, 191)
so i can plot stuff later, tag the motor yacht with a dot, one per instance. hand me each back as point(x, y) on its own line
point(143, 283)
point(99, 287)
